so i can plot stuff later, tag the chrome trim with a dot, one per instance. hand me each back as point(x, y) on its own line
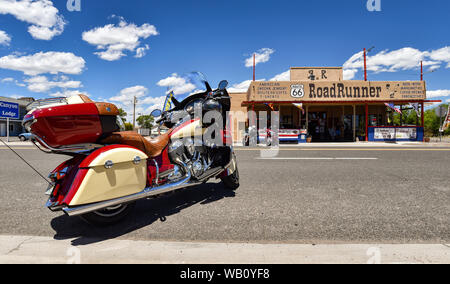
point(137, 160)
point(109, 164)
point(148, 192)
point(71, 148)
point(157, 171)
point(27, 120)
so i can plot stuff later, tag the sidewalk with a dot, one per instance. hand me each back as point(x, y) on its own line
point(26, 249)
point(359, 144)
point(16, 143)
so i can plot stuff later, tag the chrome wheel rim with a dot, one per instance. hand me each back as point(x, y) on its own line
point(111, 211)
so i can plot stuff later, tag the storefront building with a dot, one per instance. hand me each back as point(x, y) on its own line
point(319, 104)
point(13, 122)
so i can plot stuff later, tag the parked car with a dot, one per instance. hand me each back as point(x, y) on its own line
point(25, 137)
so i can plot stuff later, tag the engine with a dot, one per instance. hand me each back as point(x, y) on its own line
point(194, 153)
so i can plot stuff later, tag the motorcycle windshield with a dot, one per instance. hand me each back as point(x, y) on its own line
point(184, 86)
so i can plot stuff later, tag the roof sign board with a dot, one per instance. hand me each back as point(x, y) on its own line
point(345, 91)
point(9, 110)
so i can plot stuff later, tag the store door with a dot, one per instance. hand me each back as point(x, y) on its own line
point(317, 126)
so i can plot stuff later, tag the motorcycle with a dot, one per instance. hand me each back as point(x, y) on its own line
point(110, 169)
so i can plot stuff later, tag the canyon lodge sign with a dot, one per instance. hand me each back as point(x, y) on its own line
point(337, 91)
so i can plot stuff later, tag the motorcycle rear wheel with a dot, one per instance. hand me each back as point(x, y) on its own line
point(108, 216)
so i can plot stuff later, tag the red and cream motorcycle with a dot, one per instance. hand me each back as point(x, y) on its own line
point(111, 169)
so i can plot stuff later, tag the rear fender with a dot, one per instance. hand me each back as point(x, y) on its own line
point(62, 177)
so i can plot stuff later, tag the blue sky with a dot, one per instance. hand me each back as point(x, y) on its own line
point(115, 49)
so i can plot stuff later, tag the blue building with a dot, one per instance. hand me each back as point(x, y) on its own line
point(15, 125)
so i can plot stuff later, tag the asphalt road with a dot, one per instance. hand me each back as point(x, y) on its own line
point(334, 195)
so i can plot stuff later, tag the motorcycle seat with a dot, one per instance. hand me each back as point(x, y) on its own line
point(151, 147)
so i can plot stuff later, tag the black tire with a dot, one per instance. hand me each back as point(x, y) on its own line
point(108, 217)
point(23, 139)
point(232, 181)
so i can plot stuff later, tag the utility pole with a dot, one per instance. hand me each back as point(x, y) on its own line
point(421, 70)
point(254, 67)
point(365, 65)
point(365, 61)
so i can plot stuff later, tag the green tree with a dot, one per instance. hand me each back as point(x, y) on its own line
point(145, 121)
point(123, 115)
point(432, 123)
point(128, 126)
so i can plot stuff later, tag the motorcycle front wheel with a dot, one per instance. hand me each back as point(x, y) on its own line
point(108, 216)
point(232, 181)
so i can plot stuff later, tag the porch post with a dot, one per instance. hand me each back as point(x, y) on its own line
point(354, 123)
point(423, 121)
point(7, 129)
point(367, 122)
point(423, 117)
point(401, 115)
point(307, 118)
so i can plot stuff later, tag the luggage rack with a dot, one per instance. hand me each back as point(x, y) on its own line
point(46, 102)
point(69, 150)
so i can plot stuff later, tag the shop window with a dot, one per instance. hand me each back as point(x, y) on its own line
point(287, 121)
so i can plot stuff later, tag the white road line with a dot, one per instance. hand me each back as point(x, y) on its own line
point(312, 158)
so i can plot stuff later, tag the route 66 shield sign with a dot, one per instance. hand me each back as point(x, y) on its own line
point(297, 91)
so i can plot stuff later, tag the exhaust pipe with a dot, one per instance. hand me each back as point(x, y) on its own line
point(148, 192)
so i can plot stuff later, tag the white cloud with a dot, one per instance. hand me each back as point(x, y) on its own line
point(115, 39)
point(388, 61)
point(261, 56)
point(12, 80)
point(124, 100)
point(44, 19)
point(442, 54)
point(349, 74)
point(153, 103)
point(5, 39)
point(15, 96)
point(44, 62)
point(285, 76)
point(438, 93)
point(7, 80)
point(178, 84)
point(68, 93)
point(406, 58)
point(41, 84)
point(141, 51)
point(127, 95)
point(240, 87)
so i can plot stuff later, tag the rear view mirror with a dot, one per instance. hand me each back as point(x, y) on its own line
point(156, 113)
point(223, 85)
